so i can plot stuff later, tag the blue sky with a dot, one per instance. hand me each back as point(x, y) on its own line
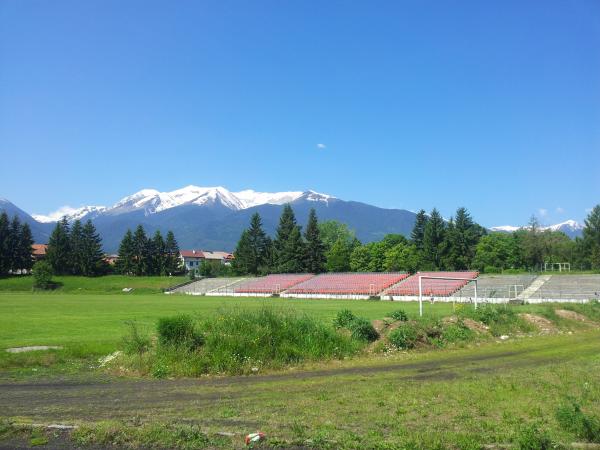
point(490, 105)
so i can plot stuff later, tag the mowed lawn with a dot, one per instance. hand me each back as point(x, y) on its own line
point(98, 321)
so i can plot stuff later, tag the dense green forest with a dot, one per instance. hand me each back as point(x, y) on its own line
point(435, 244)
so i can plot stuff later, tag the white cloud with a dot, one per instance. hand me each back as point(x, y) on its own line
point(543, 212)
point(321, 146)
point(559, 210)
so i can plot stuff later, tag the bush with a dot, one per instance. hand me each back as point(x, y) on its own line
point(360, 328)
point(404, 337)
point(573, 419)
point(532, 438)
point(178, 331)
point(344, 318)
point(492, 269)
point(363, 330)
point(457, 332)
point(500, 319)
point(42, 275)
point(238, 340)
point(133, 341)
point(399, 315)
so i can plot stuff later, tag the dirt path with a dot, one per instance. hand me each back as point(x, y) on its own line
point(97, 398)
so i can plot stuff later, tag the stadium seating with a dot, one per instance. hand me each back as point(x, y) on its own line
point(431, 287)
point(347, 283)
point(272, 284)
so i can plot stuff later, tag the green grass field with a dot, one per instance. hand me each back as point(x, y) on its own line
point(99, 320)
point(110, 284)
point(489, 392)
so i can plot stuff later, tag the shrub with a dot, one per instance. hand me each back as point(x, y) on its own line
point(363, 330)
point(500, 319)
point(344, 318)
point(404, 337)
point(492, 269)
point(238, 340)
point(178, 331)
point(192, 274)
point(133, 341)
point(457, 332)
point(399, 315)
point(42, 275)
point(573, 419)
point(532, 438)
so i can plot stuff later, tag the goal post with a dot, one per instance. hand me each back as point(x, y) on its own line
point(432, 277)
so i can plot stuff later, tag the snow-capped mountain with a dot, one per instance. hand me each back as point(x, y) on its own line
point(89, 212)
point(213, 218)
point(151, 201)
point(571, 228)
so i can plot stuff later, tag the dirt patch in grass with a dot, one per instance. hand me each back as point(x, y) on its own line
point(572, 315)
point(471, 324)
point(33, 348)
point(544, 325)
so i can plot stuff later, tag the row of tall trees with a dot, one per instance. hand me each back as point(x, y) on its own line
point(15, 245)
point(75, 249)
point(142, 255)
point(290, 251)
point(434, 244)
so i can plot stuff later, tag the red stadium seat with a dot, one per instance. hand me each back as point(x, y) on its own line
point(272, 284)
point(347, 283)
point(432, 287)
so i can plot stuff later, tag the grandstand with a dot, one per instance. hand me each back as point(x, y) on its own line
point(271, 284)
point(496, 288)
point(205, 285)
point(431, 287)
point(527, 288)
point(345, 285)
point(567, 288)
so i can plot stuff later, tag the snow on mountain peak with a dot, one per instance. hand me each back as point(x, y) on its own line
point(71, 213)
point(152, 201)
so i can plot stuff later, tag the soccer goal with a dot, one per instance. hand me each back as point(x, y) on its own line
point(433, 277)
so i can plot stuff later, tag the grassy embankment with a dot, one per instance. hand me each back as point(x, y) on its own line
point(516, 394)
point(109, 284)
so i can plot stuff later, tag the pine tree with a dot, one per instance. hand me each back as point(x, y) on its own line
point(140, 251)
point(124, 262)
point(288, 244)
point(159, 260)
point(314, 254)
point(76, 248)
point(257, 240)
point(433, 240)
point(418, 232)
point(92, 257)
point(243, 255)
point(4, 242)
point(13, 244)
point(172, 263)
point(462, 237)
point(58, 253)
point(25, 251)
point(591, 237)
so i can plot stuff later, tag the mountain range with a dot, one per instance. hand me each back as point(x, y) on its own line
point(571, 228)
point(212, 218)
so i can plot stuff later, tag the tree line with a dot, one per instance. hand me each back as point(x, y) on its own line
point(15, 245)
point(434, 244)
point(75, 249)
point(142, 255)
